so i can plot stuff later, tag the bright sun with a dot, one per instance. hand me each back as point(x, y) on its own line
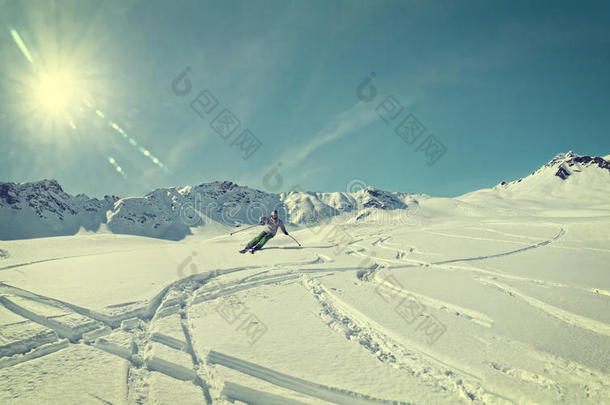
point(55, 92)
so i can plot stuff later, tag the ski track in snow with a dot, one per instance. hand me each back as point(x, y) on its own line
point(512, 252)
point(458, 236)
point(180, 295)
point(332, 394)
point(373, 338)
point(469, 314)
point(565, 316)
point(466, 259)
point(140, 361)
point(568, 317)
point(499, 274)
point(574, 319)
point(237, 392)
point(12, 266)
point(586, 378)
point(372, 272)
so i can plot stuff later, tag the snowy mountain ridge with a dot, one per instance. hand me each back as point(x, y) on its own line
point(570, 162)
point(42, 208)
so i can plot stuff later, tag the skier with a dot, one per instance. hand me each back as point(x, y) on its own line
point(273, 222)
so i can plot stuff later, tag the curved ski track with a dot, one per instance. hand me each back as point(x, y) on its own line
point(180, 295)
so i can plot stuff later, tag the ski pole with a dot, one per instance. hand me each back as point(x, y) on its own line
point(244, 229)
point(294, 239)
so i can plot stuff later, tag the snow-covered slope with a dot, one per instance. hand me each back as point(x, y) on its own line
point(467, 310)
point(43, 209)
point(473, 303)
point(567, 181)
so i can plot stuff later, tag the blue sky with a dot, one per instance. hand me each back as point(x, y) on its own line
point(503, 86)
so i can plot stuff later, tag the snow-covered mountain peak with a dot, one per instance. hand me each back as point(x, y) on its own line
point(573, 163)
point(563, 165)
point(42, 208)
point(371, 197)
point(561, 157)
point(567, 178)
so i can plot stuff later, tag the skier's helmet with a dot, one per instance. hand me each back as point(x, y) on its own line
point(274, 214)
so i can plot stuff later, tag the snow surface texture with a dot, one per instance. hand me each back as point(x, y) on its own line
point(501, 296)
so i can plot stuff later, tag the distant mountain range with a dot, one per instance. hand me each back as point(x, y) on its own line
point(42, 208)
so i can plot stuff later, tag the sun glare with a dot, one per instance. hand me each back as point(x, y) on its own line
point(55, 92)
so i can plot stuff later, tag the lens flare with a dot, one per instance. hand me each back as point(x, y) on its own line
point(59, 92)
point(55, 92)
